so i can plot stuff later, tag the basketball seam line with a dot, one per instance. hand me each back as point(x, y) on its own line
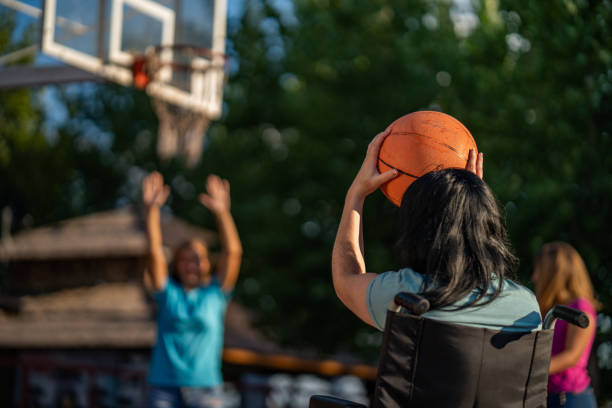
point(433, 139)
point(401, 171)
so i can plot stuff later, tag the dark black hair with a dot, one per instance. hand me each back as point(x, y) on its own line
point(452, 230)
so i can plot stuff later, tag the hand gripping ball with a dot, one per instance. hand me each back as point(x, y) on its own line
point(419, 143)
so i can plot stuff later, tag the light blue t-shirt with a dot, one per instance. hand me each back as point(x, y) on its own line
point(189, 336)
point(515, 309)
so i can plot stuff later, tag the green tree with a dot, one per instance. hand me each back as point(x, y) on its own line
point(311, 87)
point(29, 167)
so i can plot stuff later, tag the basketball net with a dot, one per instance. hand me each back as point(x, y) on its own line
point(181, 131)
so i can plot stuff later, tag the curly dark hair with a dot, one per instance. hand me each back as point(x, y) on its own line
point(452, 230)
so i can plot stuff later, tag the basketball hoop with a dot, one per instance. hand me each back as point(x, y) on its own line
point(182, 129)
point(140, 76)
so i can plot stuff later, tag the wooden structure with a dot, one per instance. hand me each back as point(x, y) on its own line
point(76, 307)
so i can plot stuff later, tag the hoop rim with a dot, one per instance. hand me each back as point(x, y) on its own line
point(202, 51)
point(146, 65)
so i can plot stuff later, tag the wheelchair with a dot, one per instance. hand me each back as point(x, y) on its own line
point(429, 363)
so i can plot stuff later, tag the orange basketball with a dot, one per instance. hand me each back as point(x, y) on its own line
point(421, 142)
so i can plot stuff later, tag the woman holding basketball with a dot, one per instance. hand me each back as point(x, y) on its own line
point(454, 249)
point(561, 278)
point(185, 369)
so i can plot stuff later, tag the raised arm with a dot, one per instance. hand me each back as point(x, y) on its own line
point(348, 264)
point(217, 200)
point(154, 195)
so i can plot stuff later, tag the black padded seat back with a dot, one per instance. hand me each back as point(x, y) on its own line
point(428, 363)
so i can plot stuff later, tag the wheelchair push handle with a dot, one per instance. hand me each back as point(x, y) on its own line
point(570, 315)
point(414, 304)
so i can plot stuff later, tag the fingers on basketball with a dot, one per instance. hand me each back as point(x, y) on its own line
point(375, 144)
point(475, 163)
point(471, 162)
point(386, 176)
point(480, 165)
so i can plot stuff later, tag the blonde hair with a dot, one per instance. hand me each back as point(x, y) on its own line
point(195, 244)
point(561, 276)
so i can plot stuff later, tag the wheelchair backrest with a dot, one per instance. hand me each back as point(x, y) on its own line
point(428, 363)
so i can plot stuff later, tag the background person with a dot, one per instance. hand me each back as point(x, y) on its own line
point(185, 369)
point(454, 247)
point(561, 278)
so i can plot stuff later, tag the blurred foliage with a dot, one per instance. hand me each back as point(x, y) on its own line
point(309, 86)
point(24, 150)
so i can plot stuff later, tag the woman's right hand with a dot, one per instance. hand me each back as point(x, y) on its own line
point(154, 192)
point(368, 179)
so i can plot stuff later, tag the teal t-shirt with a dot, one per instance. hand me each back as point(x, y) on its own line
point(515, 309)
point(189, 336)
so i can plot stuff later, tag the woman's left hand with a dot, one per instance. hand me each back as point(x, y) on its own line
point(218, 198)
point(475, 163)
point(368, 178)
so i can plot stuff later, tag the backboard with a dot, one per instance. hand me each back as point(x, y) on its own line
point(104, 37)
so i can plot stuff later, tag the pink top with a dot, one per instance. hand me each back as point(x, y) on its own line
point(576, 378)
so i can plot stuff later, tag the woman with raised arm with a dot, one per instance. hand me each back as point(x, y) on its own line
point(454, 249)
point(185, 369)
point(561, 278)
